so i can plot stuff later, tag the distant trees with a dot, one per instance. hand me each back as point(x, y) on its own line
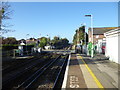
point(43, 42)
point(60, 43)
point(64, 42)
point(55, 40)
point(9, 40)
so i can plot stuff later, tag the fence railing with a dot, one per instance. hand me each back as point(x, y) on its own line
point(8, 53)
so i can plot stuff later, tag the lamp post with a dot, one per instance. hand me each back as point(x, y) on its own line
point(91, 32)
point(26, 43)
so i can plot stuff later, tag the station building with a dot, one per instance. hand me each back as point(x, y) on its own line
point(98, 36)
point(112, 45)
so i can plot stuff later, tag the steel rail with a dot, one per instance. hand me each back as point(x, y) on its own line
point(20, 73)
point(26, 84)
point(56, 81)
point(24, 63)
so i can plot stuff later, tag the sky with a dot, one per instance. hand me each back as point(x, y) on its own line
point(59, 18)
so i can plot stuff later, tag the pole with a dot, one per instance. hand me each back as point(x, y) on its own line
point(92, 34)
point(26, 44)
point(77, 37)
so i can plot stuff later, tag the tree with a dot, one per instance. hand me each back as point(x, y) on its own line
point(79, 35)
point(10, 40)
point(48, 41)
point(43, 42)
point(75, 38)
point(55, 40)
point(5, 12)
point(60, 43)
point(64, 42)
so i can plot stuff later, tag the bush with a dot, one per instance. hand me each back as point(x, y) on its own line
point(9, 47)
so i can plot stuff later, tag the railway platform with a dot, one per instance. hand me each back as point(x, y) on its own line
point(83, 72)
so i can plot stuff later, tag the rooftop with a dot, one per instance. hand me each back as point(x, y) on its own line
point(102, 30)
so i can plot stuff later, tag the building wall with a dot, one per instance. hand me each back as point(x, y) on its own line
point(95, 37)
point(98, 37)
point(89, 36)
point(99, 46)
point(112, 46)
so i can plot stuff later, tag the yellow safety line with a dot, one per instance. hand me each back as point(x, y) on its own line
point(92, 74)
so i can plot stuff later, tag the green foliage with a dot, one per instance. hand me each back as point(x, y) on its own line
point(55, 40)
point(9, 46)
point(9, 40)
point(75, 39)
point(60, 43)
point(43, 42)
point(32, 44)
point(79, 32)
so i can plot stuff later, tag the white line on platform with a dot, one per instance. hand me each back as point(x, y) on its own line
point(66, 74)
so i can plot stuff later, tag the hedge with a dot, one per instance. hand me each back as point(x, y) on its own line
point(14, 46)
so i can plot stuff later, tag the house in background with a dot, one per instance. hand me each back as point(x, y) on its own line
point(98, 37)
point(31, 41)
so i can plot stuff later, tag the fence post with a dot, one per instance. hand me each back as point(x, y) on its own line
point(14, 53)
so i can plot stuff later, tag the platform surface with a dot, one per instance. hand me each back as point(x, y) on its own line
point(83, 72)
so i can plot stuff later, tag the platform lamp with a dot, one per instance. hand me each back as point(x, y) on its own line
point(26, 43)
point(91, 16)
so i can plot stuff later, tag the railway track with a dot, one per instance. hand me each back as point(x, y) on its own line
point(28, 83)
point(59, 79)
point(18, 63)
point(21, 66)
point(47, 77)
point(54, 76)
point(20, 77)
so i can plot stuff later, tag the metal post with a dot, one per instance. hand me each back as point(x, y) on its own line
point(77, 36)
point(91, 32)
point(26, 44)
point(85, 38)
point(92, 35)
point(14, 53)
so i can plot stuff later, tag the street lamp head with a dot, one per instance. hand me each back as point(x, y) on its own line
point(88, 15)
